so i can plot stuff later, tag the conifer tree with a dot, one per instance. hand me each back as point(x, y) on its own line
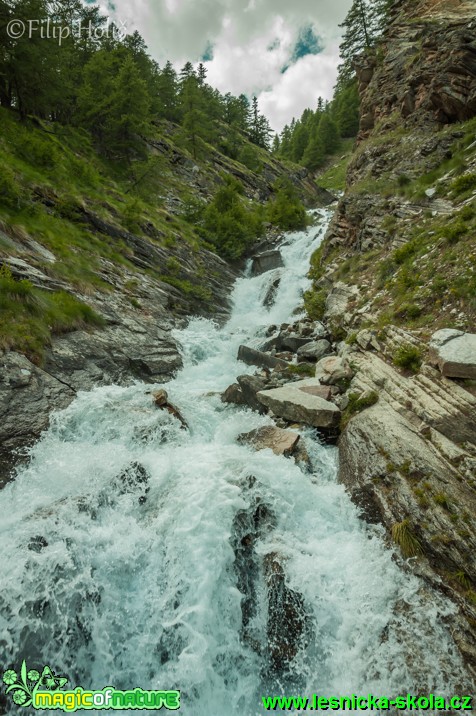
point(167, 90)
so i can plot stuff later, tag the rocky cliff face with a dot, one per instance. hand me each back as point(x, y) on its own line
point(398, 264)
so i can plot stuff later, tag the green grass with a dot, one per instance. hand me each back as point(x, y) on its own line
point(30, 316)
point(403, 535)
point(334, 178)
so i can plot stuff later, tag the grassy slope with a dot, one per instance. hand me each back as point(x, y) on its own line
point(423, 276)
point(49, 175)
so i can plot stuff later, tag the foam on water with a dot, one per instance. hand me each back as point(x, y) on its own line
point(134, 593)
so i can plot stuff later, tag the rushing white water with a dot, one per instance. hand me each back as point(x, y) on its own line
point(114, 589)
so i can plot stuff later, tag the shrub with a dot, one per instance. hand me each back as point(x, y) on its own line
point(286, 210)
point(408, 357)
point(10, 192)
point(36, 150)
point(404, 252)
point(315, 304)
point(228, 224)
point(464, 183)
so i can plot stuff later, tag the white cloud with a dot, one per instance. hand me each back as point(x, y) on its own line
point(241, 33)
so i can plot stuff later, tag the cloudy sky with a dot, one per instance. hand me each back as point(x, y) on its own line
point(284, 51)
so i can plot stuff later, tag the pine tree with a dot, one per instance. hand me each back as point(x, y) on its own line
point(196, 125)
point(260, 130)
point(363, 26)
point(167, 91)
point(201, 74)
point(129, 112)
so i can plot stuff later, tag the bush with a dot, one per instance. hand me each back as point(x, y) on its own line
point(315, 304)
point(10, 191)
point(287, 210)
point(464, 183)
point(404, 252)
point(36, 150)
point(228, 224)
point(250, 158)
point(408, 357)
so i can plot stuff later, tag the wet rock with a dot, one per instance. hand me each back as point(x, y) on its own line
point(314, 350)
point(293, 403)
point(234, 395)
point(287, 622)
point(134, 479)
point(250, 356)
point(454, 352)
point(267, 261)
point(161, 401)
point(27, 396)
point(37, 544)
point(281, 442)
point(160, 398)
point(250, 385)
point(271, 293)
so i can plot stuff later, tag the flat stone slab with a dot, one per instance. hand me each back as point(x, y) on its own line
point(294, 402)
point(281, 442)
point(454, 352)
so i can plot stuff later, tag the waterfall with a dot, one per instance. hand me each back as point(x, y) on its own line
point(137, 553)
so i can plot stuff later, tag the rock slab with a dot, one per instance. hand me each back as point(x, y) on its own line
point(293, 402)
point(454, 352)
point(281, 442)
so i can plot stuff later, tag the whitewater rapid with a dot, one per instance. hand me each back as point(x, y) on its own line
point(139, 586)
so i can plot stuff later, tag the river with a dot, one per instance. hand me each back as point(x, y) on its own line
point(138, 581)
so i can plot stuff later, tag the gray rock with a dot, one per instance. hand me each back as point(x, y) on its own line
point(293, 341)
point(267, 261)
point(315, 350)
point(454, 352)
point(250, 385)
point(339, 298)
point(233, 395)
point(293, 403)
point(332, 370)
point(367, 339)
point(250, 356)
point(281, 442)
point(27, 396)
point(319, 330)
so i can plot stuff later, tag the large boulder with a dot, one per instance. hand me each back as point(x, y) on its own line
point(295, 402)
point(292, 341)
point(454, 352)
point(250, 356)
point(267, 261)
point(281, 442)
point(250, 385)
point(233, 394)
point(333, 370)
point(314, 350)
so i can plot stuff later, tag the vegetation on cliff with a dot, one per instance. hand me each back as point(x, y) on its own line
point(105, 153)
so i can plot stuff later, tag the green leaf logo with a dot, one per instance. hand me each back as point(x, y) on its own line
point(24, 686)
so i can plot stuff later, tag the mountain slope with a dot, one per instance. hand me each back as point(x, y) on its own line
point(397, 265)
